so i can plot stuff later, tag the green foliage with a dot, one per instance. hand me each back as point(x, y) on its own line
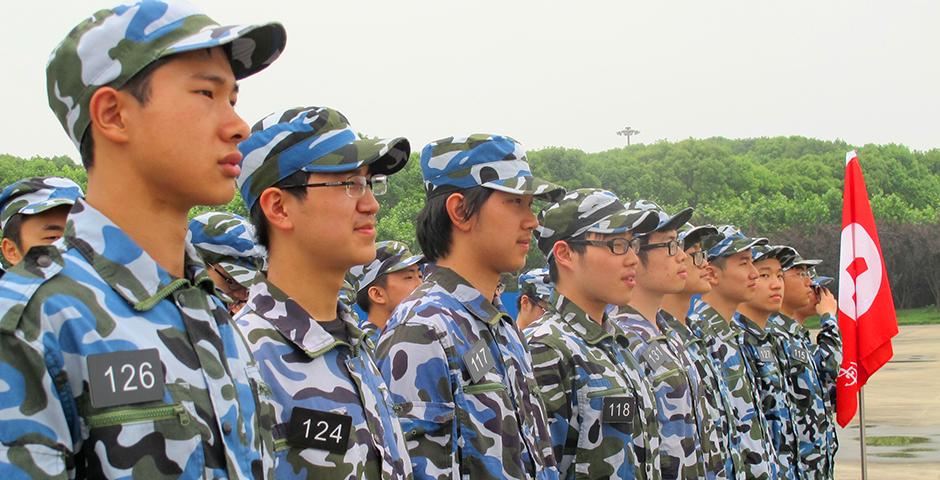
point(785, 188)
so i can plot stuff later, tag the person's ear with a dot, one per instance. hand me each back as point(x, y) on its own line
point(524, 304)
point(108, 115)
point(712, 274)
point(274, 205)
point(11, 252)
point(377, 295)
point(456, 206)
point(563, 254)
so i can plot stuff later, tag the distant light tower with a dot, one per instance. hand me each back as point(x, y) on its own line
point(628, 132)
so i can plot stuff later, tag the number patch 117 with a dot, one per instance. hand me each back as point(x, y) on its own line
point(322, 430)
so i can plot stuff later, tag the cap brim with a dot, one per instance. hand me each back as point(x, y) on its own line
point(696, 235)
point(743, 244)
point(822, 281)
point(528, 185)
point(677, 221)
point(385, 156)
point(405, 263)
point(252, 47)
point(645, 222)
point(805, 263)
point(243, 275)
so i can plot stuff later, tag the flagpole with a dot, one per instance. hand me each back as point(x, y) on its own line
point(861, 424)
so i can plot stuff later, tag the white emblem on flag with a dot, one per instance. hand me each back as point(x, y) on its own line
point(850, 374)
point(860, 274)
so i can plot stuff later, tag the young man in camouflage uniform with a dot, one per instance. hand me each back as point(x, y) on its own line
point(535, 291)
point(383, 283)
point(459, 372)
point(309, 182)
point(810, 387)
point(118, 359)
point(33, 212)
point(228, 245)
point(601, 410)
point(733, 279)
point(662, 270)
point(713, 401)
point(766, 362)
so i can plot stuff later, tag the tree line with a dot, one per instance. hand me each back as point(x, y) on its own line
point(788, 189)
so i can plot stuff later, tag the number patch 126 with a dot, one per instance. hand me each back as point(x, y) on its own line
point(123, 378)
point(321, 430)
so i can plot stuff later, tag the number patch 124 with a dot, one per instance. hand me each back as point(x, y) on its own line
point(123, 378)
point(322, 430)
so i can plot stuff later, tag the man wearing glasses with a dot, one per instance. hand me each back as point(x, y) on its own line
point(229, 246)
point(600, 407)
point(662, 270)
point(811, 368)
point(733, 281)
point(309, 182)
point(714, 402)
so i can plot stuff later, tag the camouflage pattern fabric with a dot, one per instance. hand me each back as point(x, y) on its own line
point(728, 241)
point(712, 400)
point(111, 46)
point(100, 294)
point(589, 210)
point(311, 139)
point(390, 256)
point(772, 385)
point(581, 367)
point(690, 234)
point(537, 284)
point(828, 358)
point(307, 367)
point(811, 415)
point(36, 195)
point(486, 424)
point(229, 241)
point(680, 443)
point(749, 427)
point(492, 161)
point(664, 221)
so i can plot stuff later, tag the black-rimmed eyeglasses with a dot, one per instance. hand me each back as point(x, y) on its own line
point(672, 247)
point(355, 186)
point(617, 246)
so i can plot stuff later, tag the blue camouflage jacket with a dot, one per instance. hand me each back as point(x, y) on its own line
point(462, 382)
point(312, 374)
point(115, 369)
point(680, 442)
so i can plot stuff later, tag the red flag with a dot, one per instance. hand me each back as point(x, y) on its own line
point(866, 308)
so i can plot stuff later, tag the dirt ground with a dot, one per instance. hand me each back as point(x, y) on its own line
point(902, 399)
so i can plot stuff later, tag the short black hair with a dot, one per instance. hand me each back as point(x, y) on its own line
point(578, 248)
point(362, 298)
point(256, 215)
point(139, 87)
point(719, 262)
point(13, 230)
point(434, 228)
point(641, 253)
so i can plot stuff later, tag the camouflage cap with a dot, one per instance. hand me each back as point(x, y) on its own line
point(782, 253)
point(36, 195)
point(729, 241)
point(111, 46)
point(589, 210)
point(797, 260)
point(821, 281)
point(228, 240)
point(537, 284)
point(689, 234)
point(492, 161)
point(311, 139)
point(666, 222)
point(390, 257)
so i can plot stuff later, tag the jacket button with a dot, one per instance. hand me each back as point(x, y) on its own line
point(43, 261)
point(226, 428)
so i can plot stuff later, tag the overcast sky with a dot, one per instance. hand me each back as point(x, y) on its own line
point(555, 73)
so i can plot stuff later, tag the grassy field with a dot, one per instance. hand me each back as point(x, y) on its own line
point(912, 316)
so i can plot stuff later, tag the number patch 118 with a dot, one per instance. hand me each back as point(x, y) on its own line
point(322, 430)
point(123, 378)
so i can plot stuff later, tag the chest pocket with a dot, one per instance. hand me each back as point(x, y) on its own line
point(124, 436)
point(609, 422)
